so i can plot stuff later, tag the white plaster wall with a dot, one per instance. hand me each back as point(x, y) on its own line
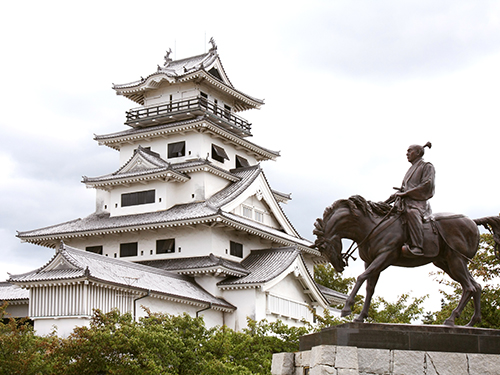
point(260, 205)
point(290, 288)
point(17, 310)
point(245, 301)
point(200, 240)
point(64, 326)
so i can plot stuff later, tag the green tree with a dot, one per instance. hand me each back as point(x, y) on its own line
point(21, 351)
point(485, 268)
point(403, 310)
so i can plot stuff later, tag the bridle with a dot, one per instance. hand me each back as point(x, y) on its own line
point(348, 254)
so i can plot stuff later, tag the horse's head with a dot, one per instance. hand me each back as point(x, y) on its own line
point(330, 230)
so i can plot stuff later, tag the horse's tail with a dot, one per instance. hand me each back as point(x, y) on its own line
point(492, 224)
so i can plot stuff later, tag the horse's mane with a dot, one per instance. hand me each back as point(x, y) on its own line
point(354, 203)
point(359, 203)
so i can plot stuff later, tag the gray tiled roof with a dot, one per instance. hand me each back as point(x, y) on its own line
point(189, 211)
point(264, 265)
point(329, 293)
point(159, 128)
point(84, 264)
point(159, 164)
point(11, 292)
point(180, 69)
point(198, 263)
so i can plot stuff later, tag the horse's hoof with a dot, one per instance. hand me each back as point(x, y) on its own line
point(345, 313)
point(449, 323)
point(359, 320)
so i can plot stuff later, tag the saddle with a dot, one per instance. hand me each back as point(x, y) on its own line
point(436, 226)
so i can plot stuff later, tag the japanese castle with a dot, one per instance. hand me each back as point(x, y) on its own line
point(187, 222)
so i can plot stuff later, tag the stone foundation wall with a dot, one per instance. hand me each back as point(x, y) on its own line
point(349, 360)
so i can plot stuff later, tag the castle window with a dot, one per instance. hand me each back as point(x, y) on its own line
point(241, 162)
point(259, 216)
point(139, 197)
point(204, 97)
point(128, 249)
point(176, 150)
point(227, 111)
point(94, 249)
point(219, 154)
point(247, 211)
point(236, 249)
point(165, 246)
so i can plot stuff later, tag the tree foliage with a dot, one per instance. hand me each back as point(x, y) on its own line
point(157, 344)
point(406, 309)
point(485, 268)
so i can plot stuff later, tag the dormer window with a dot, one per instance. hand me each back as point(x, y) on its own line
point(241, 162)
point(219, 154)
point(176, 150)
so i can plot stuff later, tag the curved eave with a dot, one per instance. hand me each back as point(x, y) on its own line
point(135, 90)
point(209, 168)
point(168, 175)
point(195, 125)
point(52, 240)
point(209, 271)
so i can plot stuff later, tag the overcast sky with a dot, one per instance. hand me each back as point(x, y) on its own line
point(348, 86)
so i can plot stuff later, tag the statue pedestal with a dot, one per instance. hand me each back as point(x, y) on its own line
point(393, 349)
point(407, 337)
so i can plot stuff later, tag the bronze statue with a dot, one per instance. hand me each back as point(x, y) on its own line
point(448, 241)
point(416, 190)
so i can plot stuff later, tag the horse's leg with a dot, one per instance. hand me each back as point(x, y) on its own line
point(456, 268)
point(371, 282)
point(380, 263)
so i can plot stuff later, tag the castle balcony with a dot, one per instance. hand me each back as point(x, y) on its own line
point(187, 109)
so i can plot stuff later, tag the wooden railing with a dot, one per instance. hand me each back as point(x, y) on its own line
point(186, 105)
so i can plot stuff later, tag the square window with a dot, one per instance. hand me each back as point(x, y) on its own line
point(247, 212)
point(241, 162)
point(176, 150)
point(219, 154)
point(94, 249)
point(236, 249)
point(165, 246)
point(128, 249)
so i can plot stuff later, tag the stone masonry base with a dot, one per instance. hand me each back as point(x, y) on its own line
point(350, 360)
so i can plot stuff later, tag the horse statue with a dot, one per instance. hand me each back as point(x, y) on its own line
point(451, 241)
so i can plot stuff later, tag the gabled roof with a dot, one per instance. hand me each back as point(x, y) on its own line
point(210, 264)
point(199, 124)
point(263, 266)
point(73, 264)
point(209, 211)
point(143, 165)
point(206, 67)
point(270, 266)
point(148, 165)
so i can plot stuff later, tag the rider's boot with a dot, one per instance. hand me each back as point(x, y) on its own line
point(412, 251)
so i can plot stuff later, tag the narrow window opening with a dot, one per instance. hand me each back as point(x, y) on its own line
point(219, 154)
point(241, 162)
point(94, 249)
point(176, 150)
point(236, 249)
point(165, 246)
point(128, 249)
point(137, 198)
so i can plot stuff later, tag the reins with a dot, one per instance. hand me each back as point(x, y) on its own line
point(350, 251)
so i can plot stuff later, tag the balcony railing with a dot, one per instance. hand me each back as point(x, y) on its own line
point(172, 111)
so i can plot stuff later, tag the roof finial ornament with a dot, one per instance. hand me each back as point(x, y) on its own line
point(214, 46)
point(167, 57)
